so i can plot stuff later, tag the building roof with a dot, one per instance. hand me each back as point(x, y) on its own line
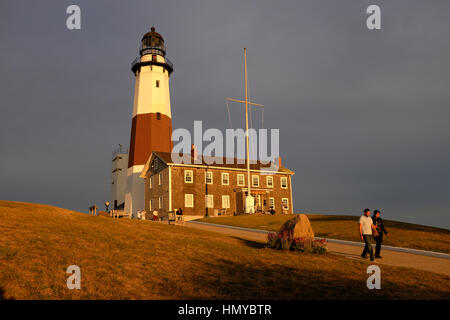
point(152, 34)
point(213, 162)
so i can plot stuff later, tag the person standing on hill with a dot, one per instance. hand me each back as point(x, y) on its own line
point(378, 222)
point(365, 230)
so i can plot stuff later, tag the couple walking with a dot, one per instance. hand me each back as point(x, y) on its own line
point(371, 228)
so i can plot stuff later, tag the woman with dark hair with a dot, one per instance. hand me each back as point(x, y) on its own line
point(378, 223)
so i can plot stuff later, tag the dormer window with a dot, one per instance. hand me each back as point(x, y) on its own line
point(158, 116)
point(157, 83)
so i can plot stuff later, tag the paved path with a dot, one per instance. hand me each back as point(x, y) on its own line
point(394, 256)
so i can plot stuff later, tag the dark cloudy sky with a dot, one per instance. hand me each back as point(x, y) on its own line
point(363, 115)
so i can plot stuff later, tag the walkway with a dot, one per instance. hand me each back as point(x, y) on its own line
point(394, 256)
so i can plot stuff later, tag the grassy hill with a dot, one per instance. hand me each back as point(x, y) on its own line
point(400, 234)
point(130, 259)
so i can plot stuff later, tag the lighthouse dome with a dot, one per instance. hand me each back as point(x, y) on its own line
point(152, 43)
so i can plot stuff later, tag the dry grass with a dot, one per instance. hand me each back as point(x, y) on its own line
point(401, 234)
point(130, 259)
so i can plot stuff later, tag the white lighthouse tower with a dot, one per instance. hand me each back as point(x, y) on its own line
point(151, 127)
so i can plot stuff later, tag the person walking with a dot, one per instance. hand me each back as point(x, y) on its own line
point(378, 223)
point(155, 215)
point(366, 229)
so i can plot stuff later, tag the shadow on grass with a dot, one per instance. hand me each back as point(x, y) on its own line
point(251, 243)
point(274, 281)
point(2, 295)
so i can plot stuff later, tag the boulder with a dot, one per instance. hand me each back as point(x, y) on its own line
point(298, 227)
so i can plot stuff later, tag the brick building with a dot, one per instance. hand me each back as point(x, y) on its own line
point(201, 189)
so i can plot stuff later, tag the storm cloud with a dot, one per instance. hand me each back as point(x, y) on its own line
point(363, 115)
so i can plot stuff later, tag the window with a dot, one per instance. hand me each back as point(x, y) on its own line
point(284, 182)
point(160, 202)
point(285, 202)
point(255, 181)
point(225, 179)
point(209, 201)
point(240, 180)
point(272, 202)
point(160, 179)
point(225, 202)
point(151, 204)
point(158, 116)
point(189, 200)
point(208, 177)
point(154, 57)
point(188, 176)
point(269, 181)
point(157, 83)
point(150, 182)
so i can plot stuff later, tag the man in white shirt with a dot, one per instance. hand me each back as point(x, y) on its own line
point(366, 228)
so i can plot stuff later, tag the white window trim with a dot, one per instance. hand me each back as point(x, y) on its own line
point(281, 182)
point(273, 202)
point(228, 180)
point(151, 182)
point(287, 201)
point(229, 204)
point(243, 180)
point(186, 196)
point(160, 179)
point(267, 181)
point(209, 196)
point(160, 202)
point(212, 177)
point(151, 204)
point(255, 176)
point(192, 176)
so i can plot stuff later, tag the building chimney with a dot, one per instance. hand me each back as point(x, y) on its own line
point(194, 153)
point(279, 162)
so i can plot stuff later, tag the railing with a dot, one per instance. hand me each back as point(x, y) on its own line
point(138, 61)
point(119, 150)
point(151, 50)
point(135, 62)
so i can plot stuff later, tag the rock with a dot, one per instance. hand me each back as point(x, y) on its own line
point(298, 227)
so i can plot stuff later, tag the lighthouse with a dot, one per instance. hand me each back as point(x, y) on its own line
point(151, 126)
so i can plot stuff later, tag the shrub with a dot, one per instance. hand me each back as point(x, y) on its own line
point(282, 241)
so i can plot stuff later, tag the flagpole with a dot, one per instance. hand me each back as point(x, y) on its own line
point(246, 129)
